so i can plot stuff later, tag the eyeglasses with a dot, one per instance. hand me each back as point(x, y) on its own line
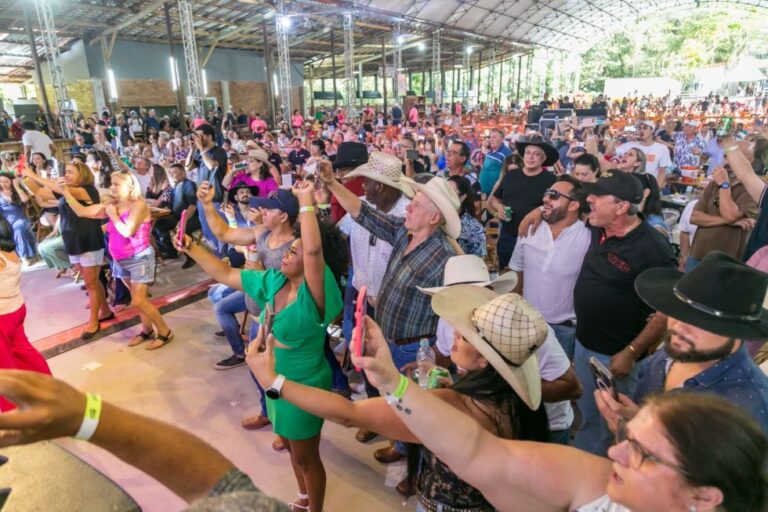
point(554, 195)
point(637, 454)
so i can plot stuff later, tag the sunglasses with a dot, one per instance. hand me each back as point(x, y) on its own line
point(554, 195)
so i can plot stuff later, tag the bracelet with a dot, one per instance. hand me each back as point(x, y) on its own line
point(396, 398)
point(71, 202)
point(323, 206)
point(305, 209)
point(632, 349)
point(91, 417)
point(232, 223)
point(730, 148)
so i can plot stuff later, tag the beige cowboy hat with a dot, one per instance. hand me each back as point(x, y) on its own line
point(386, 169)
point(472, 270)
point(505, 329)
point(260, 155)
point(445, 198)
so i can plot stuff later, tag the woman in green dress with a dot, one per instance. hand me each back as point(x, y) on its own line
point(305, 297)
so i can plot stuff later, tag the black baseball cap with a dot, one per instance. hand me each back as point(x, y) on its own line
point(617, 183)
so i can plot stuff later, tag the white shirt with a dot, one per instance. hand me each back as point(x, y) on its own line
point(39, 141)
point(553, 363)
point(143, 181)
point(686, 226)
point(550, 269)
point(369, 261)
point(656, 155)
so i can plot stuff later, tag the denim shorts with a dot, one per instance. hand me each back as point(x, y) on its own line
point(88, 259)
point(139, 268)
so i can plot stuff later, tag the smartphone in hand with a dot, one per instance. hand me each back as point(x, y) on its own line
point(182, 227)
point(358, 334)
point(603, 377)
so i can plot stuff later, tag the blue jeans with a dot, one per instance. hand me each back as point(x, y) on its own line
point(566, 335)
point(226, 303)
point(504, 248)
point(594, 435)
point(559, 436)
point(206, 229)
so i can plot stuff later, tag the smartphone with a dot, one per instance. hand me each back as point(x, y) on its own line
point(358, 334)
point(182, 227)
point(603, 377)
point(411, 154)
point(269, 320)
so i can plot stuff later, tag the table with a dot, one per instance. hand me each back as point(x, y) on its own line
point(44, 476)
point(677, 201)
point(157, 213)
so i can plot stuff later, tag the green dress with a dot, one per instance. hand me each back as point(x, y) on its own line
point(299, 327)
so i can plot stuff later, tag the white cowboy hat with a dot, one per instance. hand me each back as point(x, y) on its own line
point(260, 155)
point(445, 198)
point(471, 269)
point(505, 329)
point(386, 169)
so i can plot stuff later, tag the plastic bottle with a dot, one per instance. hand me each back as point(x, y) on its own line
point(425, 360)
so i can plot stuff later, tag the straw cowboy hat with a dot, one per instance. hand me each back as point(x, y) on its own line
point(386, 169)
point(260, 155)
point(721, 295)
point(471, 269)
point(505, 329)
point(445, 198)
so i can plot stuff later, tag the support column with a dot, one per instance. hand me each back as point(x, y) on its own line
point(194, 78)
point(384, 71)
point(284, 61)
point(397, 64)
point(333, 68)
point(360, 84)
point(479, 75)
point(181, 106)
point(437, 74)
point(349, 64)
point(38, 72)
point(269, 70)
point(519, 75)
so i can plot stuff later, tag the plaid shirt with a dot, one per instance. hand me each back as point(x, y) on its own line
point(402, 311)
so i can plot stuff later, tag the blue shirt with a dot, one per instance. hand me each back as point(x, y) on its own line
point(492, 163)
point(716, 155)
point(736, 378)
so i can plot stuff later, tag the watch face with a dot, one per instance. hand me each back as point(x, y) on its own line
point(272, 393)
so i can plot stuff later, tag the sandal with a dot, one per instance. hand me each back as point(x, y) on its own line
point(302, 497)
point(278, 445)
point(141, 338)
point(160, 341)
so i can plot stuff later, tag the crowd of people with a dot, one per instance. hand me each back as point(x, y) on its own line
point(525, 291)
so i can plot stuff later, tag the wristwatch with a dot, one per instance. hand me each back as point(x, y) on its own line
point(725, 185)
point(273, 391)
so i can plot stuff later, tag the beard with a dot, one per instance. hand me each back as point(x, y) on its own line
point(556, 215)
point(694, 355)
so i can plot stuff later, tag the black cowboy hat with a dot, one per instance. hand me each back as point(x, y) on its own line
point(721, 295)
point(350, 154)
point(233, 191)
point(552, 156)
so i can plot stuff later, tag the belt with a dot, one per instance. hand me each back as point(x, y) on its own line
point(412, 339)
point(567, 323)
point(435, 506)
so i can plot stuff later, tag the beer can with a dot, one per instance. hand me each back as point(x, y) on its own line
point(508, 212)
point(435, 375)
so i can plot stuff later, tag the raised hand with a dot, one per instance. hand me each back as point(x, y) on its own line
point(378, 365)
point(205, 193)
point(262, 364)
point(325, 171)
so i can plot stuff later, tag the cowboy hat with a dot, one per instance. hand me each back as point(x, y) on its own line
point(385, 169)
point(260, 155)
point(350, 154)
point(721, 295)
point(445, 198)
point(232, 192)
point(551, 154)
point(472, 270)
point(505, 329)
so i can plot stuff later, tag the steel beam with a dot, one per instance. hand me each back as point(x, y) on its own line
point(194, 79)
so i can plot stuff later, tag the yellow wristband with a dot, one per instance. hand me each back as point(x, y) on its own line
point(731, 148)
point(305, 209)
point(402, 387)
point(323, 206)
point(91, 417)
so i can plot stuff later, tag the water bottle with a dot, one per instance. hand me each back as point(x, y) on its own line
point(425, 360)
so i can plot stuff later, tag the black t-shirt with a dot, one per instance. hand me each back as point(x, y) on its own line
point(80, 234)
point(522, 193)
point(609, 313)
point(298, 157)
point(275, 159)
point(215, 176)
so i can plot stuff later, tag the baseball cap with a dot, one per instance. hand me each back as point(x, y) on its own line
point(692, 122)
point(620, 184)
point(282, 200)
point(648, 123)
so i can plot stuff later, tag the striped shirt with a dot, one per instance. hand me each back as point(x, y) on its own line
point(402, 311)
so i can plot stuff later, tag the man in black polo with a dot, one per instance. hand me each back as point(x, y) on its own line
point(298, 156)
point(612, 321)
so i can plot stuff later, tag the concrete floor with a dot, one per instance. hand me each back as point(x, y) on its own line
point(178, 384)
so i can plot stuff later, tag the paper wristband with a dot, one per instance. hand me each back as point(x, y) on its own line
point(402, 387)
point(305, 209)
point(90, 418)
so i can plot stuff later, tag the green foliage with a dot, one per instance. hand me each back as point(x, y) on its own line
point(674, 45)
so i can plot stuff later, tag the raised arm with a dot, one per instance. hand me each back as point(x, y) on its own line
point(534, 476)
point(213, 266)
point(218, 226)
point(346, 198)
point(754, 184)
point(50, 409)
point(311, 243)
point(55, 186)
point(93, 211)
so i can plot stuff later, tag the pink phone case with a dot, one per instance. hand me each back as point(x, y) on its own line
point(358, 334)
point(182, 227)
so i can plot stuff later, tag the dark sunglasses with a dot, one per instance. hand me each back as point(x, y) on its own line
point(554, 195)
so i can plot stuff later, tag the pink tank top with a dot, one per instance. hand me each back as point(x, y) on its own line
point(121, 247)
